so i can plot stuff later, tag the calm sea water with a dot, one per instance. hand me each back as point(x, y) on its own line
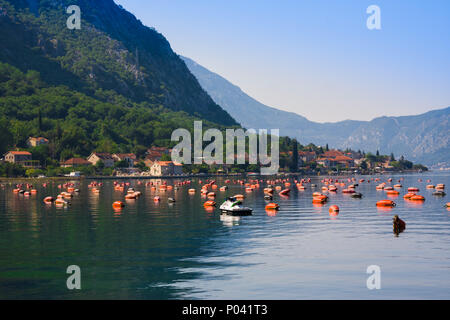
point(181, 251)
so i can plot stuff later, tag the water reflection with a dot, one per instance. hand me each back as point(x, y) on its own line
point(230, 221)
point(166, 250)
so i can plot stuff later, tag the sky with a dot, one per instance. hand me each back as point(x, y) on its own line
point(316, 58)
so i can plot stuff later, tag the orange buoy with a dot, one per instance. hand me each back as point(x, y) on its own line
point(48, 200)
point(334, 209)
point(409, 195)
point(285, 192)
point(157, 199)
point(320, 199)
point(272, 206)
point(239, 197)
point(386, 203)
point(417, 198)
point(393, 193)
point(61, 202)
point(209, 204)
point(413, 189)
point(130, 196)
point(317, 194)
point(118, 205)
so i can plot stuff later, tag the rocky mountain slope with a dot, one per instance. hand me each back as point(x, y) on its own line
point(423, 138)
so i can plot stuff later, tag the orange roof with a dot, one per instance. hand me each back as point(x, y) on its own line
point(165, 163)
point(76, 161)
point(20, 153)
point(39, 138)
point(333, 153)
point(305, 153)
point(104, 155)
point(343, 158)
point(126, 155)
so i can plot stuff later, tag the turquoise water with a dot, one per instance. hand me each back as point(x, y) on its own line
point(181, 251)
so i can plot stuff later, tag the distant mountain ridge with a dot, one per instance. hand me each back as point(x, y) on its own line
point(422, 138)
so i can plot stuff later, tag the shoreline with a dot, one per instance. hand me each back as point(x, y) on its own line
point(190, 176)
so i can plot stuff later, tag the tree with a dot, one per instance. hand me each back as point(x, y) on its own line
point(39, 121)
point(364, 165)
point(294, 163)
point(100, 165)
point(6, 136)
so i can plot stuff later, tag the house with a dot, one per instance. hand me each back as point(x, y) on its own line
point(344, 161)
point(332, 154)
point(129, 158)
point(340, 160)
point(106, 158)
point(165, 168)
point(325, 162)
point(153, 156)
point(34, 142)
point(23, 158)
point(161, 150)
point(307, 156)
point(150, 161)
point(75, 162)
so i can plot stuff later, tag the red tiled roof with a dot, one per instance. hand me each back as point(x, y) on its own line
point(126, 155)
point(332, 154)
point(343, 158)
point(20, 153)
point(158, 149)
point(76, 161)
point(165, 163)
point(104, 156)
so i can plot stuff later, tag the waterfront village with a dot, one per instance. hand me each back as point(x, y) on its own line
point(156, 162)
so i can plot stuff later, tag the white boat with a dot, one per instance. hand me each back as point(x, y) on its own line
point(233, 207)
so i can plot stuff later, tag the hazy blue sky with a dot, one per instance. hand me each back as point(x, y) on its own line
point(316, 58)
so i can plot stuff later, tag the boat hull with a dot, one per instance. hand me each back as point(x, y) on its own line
point(237, 213)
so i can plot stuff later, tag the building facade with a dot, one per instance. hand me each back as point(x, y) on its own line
point(106, 158)
point(165, 168)
point(34, 142)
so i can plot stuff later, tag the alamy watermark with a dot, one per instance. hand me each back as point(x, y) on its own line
point(214, 152)
point(374, 20)
point(74, 21)
point(74, 280)
point(374, 280)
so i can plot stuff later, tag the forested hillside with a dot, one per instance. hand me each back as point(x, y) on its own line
point(113, 86)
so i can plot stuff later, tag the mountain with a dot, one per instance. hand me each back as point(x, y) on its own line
point(113, 51)
point(423, 138)
point(113, 86)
